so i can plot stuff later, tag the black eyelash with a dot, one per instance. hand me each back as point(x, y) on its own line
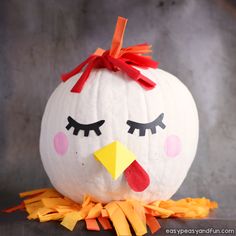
point(86, 128)
point(143, 127)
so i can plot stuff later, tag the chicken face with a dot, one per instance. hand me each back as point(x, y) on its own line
point(115, 140)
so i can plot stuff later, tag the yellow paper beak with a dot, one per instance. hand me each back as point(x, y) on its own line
point(115, 157)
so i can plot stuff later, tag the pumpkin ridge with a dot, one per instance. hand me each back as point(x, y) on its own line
point(74, 140)
point(128, 136)
point(147, 167)
point(53, 100)
point(169, 88)
point(65, 161)
point(163, 99)
point(99, 73)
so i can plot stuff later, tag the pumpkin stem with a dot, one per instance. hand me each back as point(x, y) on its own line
point(118, 36)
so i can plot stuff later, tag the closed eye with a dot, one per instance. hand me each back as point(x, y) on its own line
point(85, 127)
point(143, 127)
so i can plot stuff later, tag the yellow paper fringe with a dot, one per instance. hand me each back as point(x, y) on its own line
point(48, 204)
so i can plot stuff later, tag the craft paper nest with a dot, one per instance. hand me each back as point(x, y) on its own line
point(48, 204)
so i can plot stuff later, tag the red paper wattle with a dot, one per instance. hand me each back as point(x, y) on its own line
point(137, 178)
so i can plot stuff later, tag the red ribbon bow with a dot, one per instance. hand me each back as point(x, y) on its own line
point(116, 59)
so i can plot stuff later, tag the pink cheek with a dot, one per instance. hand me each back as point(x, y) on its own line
point(172, 146)
point(61, 144)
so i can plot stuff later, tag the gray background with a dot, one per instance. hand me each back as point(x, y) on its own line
point(192, 39)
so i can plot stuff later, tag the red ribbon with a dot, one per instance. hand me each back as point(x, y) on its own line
point(117, 59)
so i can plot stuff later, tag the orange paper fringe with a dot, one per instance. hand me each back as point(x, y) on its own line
point(48, 204)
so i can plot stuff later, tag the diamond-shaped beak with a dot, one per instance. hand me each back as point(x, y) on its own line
point(115, 157)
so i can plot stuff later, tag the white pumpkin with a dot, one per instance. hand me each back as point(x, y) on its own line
point(166, 155)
